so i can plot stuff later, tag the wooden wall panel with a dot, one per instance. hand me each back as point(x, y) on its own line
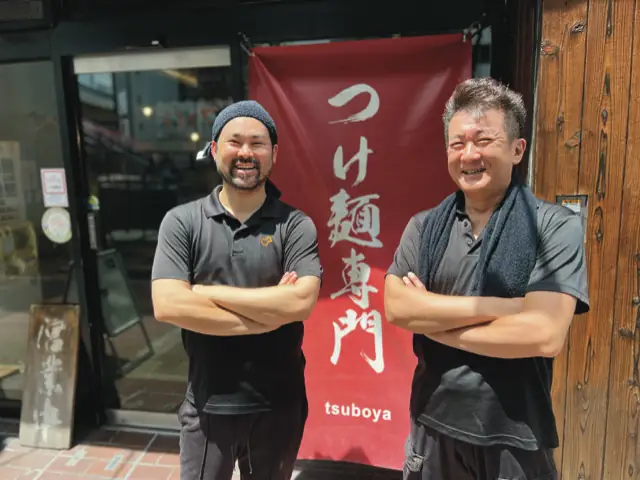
point(558, 123)
point(603, 146)
point(622, 457)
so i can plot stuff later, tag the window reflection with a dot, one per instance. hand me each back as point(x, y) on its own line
point(33, 269)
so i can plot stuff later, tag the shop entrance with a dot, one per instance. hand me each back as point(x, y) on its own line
point(144, 118)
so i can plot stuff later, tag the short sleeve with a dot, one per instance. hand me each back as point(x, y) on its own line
point(301, 247)
point(172, 259)
point(406, 257)
point(560, 262)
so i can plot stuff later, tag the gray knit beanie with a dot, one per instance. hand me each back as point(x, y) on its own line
point(245, 108)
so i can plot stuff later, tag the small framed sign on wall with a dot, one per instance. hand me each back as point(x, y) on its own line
point(25, 14)
point(578, 204)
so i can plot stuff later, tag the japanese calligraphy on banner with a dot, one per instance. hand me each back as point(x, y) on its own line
point(361, 150)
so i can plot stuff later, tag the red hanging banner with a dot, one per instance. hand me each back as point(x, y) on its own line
point(361, 150)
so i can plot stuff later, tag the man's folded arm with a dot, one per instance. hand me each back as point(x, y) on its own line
point(557, 290)
point(420, 311)
point(174, 302)
point(272, 306)
point(539, 330)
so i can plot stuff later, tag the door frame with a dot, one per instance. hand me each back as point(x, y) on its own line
point(177, 58)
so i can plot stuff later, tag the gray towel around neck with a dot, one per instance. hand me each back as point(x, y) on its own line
point(509, 244)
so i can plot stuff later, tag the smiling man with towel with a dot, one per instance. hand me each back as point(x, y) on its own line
point(488, 281)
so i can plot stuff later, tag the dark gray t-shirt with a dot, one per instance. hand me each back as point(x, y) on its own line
point(478, 399)
point(201, 243)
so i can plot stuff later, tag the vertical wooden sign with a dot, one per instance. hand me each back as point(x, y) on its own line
point(48, 400)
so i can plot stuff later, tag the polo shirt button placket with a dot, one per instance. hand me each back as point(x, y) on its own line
point(236, 248)
point(467, 232)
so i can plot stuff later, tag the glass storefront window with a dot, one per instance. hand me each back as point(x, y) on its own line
point(33, 269)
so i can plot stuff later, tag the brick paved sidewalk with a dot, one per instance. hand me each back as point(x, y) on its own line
point(126, 455)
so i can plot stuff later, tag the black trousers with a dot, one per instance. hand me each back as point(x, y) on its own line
point(265, 445)
point(432, 456)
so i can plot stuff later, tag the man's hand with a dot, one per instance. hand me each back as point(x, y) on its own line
point(410, 306)
point(289, 278)
point(412, 280)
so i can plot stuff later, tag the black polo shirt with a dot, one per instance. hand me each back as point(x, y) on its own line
point(202, 243)
point(479, 399)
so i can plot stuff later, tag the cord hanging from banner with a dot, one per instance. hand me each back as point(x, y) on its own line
point(245, 44)
point(474, 29)
point(470, 33)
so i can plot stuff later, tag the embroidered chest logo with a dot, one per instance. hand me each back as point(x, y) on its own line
point(265, 241)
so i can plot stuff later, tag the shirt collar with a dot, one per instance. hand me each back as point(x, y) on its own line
point(270, 207)
point(460, 204)
point(460, 211)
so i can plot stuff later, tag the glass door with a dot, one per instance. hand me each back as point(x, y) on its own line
point(145, 117)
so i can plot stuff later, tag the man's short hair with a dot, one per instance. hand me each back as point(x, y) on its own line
point(477, 95)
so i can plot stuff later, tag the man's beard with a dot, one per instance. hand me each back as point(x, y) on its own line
point(231, 178)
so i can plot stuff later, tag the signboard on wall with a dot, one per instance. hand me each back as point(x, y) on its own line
point(54, 187)
point(46, 419)
point(361, 150)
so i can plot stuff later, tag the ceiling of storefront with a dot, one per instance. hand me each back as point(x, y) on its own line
point(318, 18)
point(106, 23)
point(453, 8)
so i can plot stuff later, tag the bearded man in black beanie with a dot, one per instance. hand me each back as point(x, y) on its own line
point(238, 271)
